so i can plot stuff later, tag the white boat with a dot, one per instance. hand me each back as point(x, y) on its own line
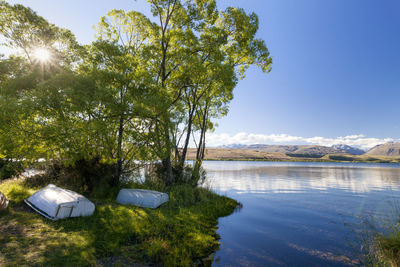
point(57, 203)
point(142, 198)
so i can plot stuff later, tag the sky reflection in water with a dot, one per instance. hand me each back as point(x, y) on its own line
point(299, 214)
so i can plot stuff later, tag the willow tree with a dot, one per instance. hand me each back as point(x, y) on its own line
point(23, 123)
point(193, 55)
point(81, 102)
point(202, 52)
point(140, 91)
point(124, 99)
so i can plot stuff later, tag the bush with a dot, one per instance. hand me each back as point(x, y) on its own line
point(84, 176)
point(189, 175)
point(97, 179)
point(10, 168)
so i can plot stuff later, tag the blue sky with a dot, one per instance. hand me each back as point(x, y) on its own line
point(335, 77)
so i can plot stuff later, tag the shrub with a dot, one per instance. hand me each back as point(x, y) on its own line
point(84, 176)
point(189, 175)
point(9, 168)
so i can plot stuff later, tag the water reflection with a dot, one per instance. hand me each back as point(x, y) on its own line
point(294, 179)
point(298, 214)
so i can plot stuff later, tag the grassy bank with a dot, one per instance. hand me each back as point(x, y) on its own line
point(179, 233)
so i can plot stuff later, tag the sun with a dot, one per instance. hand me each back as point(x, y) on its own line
point(42, 54)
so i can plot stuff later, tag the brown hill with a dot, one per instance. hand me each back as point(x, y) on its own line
point(237, 154)
point(248, 154)
point(388, 149)
point(295, 149)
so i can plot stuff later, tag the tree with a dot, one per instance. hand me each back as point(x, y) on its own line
point(125, 99)
point(24, 30)
point(202, 52)
point(23, 77)
point(188, 60)
point(141, 91)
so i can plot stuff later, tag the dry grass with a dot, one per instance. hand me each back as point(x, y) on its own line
point(245, 154)
point(238, 154)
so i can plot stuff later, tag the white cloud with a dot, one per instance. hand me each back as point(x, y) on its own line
point(359, 140)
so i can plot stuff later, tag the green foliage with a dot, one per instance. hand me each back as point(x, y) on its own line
point(23, 29)
point(389, 246)
point(381, 246)
point(29, 94)
point(192, 175)
point(16, 191)
point(89, 177)
point(177, 234)
point(140, 92)
point(9, 168)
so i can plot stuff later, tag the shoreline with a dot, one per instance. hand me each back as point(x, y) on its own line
point(301, 160)
point(181, 232)
point(224, 154)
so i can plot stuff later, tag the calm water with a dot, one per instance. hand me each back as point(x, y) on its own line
point(300, 214)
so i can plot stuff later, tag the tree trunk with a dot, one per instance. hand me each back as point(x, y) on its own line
point(202, 143)
point(167, 165)
point(119, 151)
point(169, 175)
point(185, 147)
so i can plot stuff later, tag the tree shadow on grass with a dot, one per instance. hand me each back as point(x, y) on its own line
point(175, 234)
point(29, 240)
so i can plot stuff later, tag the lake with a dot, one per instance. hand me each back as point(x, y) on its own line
point(300, 214)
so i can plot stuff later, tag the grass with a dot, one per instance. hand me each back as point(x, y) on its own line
point(383, 244)
point(179, 233)
point(388, 248)
point(380, 239)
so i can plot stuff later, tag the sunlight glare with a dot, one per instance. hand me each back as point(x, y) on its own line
point(42, 54)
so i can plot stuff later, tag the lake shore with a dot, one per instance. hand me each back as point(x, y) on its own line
point(227, 154)
point(181, 232)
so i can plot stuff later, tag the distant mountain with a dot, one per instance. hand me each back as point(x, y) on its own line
point(349, 149)
point(233, 146)
point(292, 149)
point(299, 149)
point(387, 149)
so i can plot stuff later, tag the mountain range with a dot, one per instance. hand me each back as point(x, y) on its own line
point(349, 149)
point(387, 149)
point(300, 149)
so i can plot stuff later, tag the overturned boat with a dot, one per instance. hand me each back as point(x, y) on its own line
point(142, 198)
point(3, 202)
point(57, 203)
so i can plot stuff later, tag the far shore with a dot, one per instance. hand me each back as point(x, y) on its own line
point(227, 154)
